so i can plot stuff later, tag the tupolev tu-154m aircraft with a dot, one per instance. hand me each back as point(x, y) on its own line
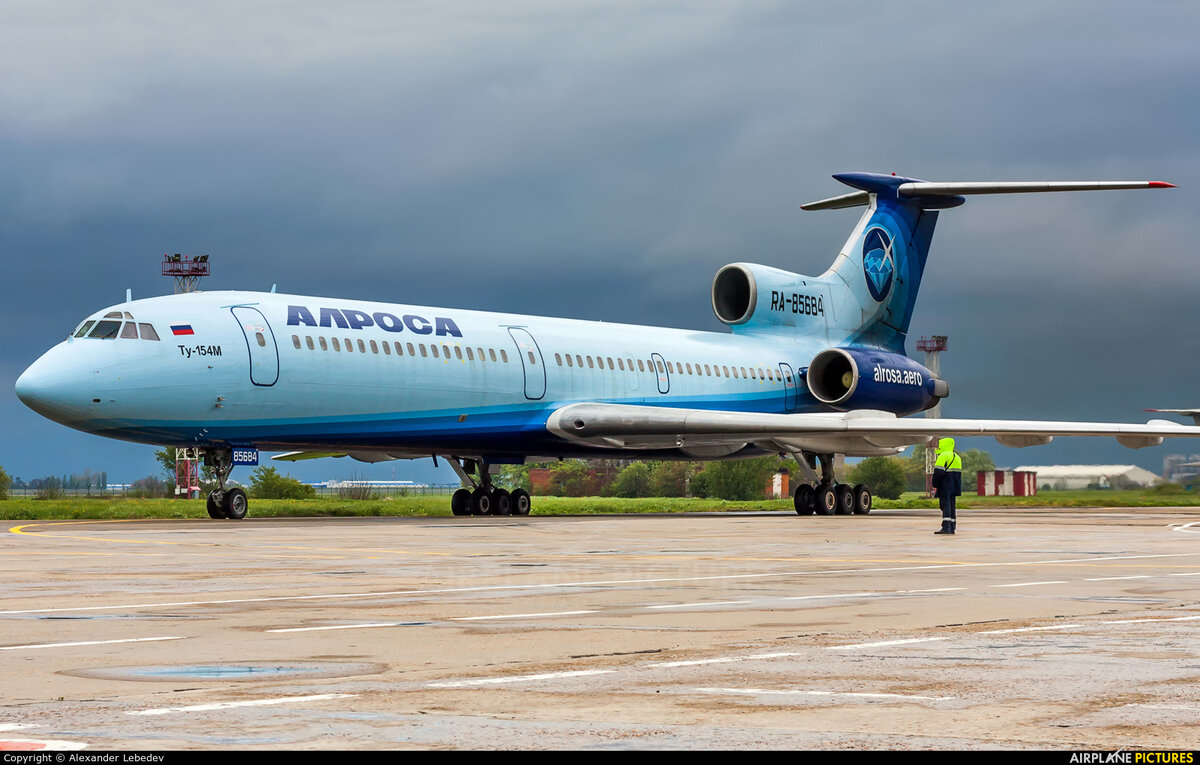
point(812, 366)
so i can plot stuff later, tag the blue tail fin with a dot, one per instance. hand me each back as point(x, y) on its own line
point(884, 260)
point(873, 283)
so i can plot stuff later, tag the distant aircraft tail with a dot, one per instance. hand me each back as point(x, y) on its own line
point(878, 272)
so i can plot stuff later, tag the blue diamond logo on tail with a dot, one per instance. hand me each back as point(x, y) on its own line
point(879, 264)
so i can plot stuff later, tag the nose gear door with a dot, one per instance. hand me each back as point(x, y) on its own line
point(260, 343)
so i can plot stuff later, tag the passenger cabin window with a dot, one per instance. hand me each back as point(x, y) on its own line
point(308, 341)
point(387, 348)
point(296, 341)
point(262, 341)
point(336, 345)
point(504, 355)
point(374, 347)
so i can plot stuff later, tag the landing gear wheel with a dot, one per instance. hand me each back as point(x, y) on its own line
point(824, 499)
point(862, 499)
point(803, 499)
point(215, 509)
point(501, 502)
point(481, 502)
point(460, 502)
point(844, 495)
point(235, 504)
point(521, 503)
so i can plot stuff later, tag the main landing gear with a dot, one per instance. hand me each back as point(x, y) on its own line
point(825, 496)
point(222, 502)
point(484, 498)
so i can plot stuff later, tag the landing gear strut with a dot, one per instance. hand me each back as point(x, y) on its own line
point(222, 502)
point(480, 497)
point(824, 495)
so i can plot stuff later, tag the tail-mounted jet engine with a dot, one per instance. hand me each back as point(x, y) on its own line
point(858, 378)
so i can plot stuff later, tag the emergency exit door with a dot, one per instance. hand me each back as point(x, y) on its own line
point(789, 387)
point(531, 363)
point(260, 343)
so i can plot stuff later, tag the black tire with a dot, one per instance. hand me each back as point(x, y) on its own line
point(862, 499)
point(803, 499)
point(522, 503)
point(460, 502)
point(236, 504)
point(481, 502)
point(215, 509)
point(501, 502)
point(824, 500)
point(844, 493)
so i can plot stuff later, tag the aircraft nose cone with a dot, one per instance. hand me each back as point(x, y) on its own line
point(54, 390)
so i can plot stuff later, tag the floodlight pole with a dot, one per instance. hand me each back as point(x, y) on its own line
point(186, 269)
point(933, 347)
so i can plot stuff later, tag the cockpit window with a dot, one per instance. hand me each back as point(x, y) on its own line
point(148, 332)
point(129, 331)
point(106, 330)
point(83, 330)
point(113, 315)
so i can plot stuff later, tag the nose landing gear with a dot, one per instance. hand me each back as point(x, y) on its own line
point(222, 502)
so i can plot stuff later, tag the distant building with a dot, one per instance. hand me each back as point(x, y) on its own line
point(1060, 477)
point(1182, 469)
point(1006, 483)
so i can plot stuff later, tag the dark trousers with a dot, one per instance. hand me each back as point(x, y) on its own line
point(947, 504)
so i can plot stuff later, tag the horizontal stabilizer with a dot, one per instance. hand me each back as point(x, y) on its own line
point(922, 188)
point(940, 195)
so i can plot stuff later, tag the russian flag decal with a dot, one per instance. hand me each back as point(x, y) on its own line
point(182, 329)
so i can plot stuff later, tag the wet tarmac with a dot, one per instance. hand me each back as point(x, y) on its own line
point(1030, 629)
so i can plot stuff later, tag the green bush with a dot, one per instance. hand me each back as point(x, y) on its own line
point(633, 481)
point(5, 482)
point(266, 483)
point(884, 475)
point(736, 479)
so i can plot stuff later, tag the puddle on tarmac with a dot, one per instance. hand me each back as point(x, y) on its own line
point(254, 670)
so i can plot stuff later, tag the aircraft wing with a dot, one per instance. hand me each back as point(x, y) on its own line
point(858, 433)
point(360, 456)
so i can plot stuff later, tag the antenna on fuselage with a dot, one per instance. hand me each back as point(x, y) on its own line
point(186, 269)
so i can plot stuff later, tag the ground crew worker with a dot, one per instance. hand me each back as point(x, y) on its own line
point(947, 483)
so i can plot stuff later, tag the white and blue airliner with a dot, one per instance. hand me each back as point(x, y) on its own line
point(813, 366)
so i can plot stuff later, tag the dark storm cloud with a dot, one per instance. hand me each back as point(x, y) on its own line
point(603, 160)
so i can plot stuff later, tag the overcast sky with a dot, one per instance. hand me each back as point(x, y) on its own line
point(602, 160)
